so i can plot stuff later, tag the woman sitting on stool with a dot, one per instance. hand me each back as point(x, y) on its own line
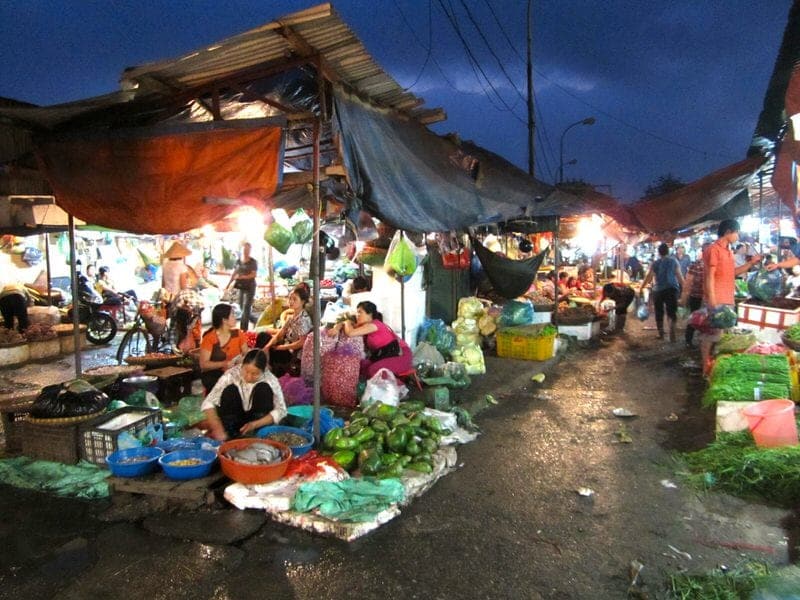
point(386, 349)
point(244, 399)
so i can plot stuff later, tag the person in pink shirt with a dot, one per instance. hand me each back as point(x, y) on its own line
point(386, 350)
point(720, 273)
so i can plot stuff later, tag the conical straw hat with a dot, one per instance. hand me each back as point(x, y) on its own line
point(177, 250)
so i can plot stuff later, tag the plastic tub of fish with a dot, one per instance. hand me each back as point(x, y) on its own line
point(299, 440)
point(134, 462)
point(193, 443)
point(253, 460)
point(188, 464)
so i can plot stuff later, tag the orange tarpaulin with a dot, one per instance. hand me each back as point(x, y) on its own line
point(161, 183)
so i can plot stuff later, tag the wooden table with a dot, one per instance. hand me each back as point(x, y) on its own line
point(192, 492)
point(173, 383)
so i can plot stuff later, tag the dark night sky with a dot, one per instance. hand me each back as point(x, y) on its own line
point(676, 87)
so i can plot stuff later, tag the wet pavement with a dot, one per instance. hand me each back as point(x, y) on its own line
point(508, 523)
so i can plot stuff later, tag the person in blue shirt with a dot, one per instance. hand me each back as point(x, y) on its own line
point(668, 282)
point(790, 244)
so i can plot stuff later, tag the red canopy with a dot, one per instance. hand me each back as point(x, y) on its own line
point(161, 182)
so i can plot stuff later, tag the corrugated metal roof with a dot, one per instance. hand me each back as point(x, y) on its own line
point(317, 30)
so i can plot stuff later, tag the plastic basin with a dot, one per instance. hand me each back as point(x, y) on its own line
point(772, 423)
point(301, 414)
point(207, 459)
point(252, 474)
point(270, 430)
point(195, 443)
point(134, 462)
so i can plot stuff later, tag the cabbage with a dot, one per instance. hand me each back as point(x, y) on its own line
point(765, 285)
point(723, 317)
point(470, 308)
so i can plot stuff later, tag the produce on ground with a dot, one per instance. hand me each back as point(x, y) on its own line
point(734, 341)
point(736, 376)
point(739, 582)
point(384, 440)
point(735, 465)
point(39, 332)
point(10, 337)
point(792, 333)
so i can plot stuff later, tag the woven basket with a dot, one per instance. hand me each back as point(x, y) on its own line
point(65, 420)
point(790, 344)
point(152, 362)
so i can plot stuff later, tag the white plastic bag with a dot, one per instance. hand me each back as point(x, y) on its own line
point(384, 387)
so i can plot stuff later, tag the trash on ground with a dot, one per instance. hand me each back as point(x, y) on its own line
point(671, 417)
point(623, 412)
point(623, 435)
point(538, 378)
point(681, 553)
point(490, 399)
point(668, 484)
point(585, 491)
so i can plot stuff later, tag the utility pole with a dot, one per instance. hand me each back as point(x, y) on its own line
point(531, 122)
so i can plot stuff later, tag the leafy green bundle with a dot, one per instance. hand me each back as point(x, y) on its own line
point(734, 464)
point(735, 377)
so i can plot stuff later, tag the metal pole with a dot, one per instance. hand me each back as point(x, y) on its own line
point(316, 278)
point(531, 121)
point(76, 319)
point(47, 267)
point(556, 265)
point(402, 302)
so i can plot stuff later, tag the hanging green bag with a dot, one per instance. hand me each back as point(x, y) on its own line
point(302, 226)
point(401, 258)
point(279, 237)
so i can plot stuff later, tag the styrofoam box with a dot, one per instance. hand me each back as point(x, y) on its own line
point(766, 316)
point(583, 332)
point(730, 417)
point(542, 317)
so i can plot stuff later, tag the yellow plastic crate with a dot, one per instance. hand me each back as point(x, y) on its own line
point(511, 344)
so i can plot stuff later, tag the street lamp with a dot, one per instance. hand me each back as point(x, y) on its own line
point(586, 121)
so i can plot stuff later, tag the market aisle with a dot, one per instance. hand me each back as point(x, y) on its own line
point(507, 524)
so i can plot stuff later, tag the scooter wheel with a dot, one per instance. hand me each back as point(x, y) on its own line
point(101, 328)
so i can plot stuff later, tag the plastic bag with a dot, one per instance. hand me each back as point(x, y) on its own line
point(32, 256)
point(642, 312)
point(471, 356)
point(435, 332)
point(765, 285)
point(279, 237)
point(723, 317)
point(401, 260)
point(699, 320)
point(302, 226)
point(73, 398)
point(384, 387)
point(515, 313)
point(426, 354)
point(339, 371)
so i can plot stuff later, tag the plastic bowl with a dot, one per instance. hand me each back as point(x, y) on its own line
point(266, 432)
point(117, 461)
point(301, 414)
point(207, 458)
point(251, 474)
point(195, 443)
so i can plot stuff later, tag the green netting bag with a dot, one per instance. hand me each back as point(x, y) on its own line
point(302, 226)
point(279, 237)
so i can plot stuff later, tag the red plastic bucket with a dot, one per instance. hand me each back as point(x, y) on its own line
point(772, 423)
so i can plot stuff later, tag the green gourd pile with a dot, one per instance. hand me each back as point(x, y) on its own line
point(383, 440)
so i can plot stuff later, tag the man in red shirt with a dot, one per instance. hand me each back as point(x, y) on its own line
point(719, 285)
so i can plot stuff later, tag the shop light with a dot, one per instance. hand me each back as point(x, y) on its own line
point(795, 119)
point(749, 224)
point(589, 233)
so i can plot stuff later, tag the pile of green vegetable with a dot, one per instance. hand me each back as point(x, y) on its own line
point(734, 341)
point(792, 333)
point(384, 440)
point(735, 377)
point(734, 464)
point(729, 584)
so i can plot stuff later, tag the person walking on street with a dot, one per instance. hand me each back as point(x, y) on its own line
point(719, 284)
point(244, 280)
point(684, 260)
point(668, 281)
point(692, 294)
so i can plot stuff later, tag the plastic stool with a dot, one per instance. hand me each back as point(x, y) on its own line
point(411, 377)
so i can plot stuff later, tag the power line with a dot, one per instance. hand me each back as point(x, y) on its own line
point(429, 48)
point(474, 61)
point(503, 31)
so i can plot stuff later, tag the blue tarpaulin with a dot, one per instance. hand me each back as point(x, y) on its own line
point(416, 180)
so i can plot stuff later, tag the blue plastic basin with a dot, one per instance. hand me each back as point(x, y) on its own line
point(296, 450)
point(301, 414)
point(121, 465)
point(207, 458)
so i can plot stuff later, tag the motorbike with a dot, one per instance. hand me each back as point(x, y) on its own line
point(101, 327)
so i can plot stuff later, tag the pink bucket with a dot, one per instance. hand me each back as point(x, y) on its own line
point(772, 423)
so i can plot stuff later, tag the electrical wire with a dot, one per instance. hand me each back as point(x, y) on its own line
point(422, 45)
point(476, 65)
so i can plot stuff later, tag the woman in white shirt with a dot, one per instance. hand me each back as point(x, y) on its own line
point(245, 398)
